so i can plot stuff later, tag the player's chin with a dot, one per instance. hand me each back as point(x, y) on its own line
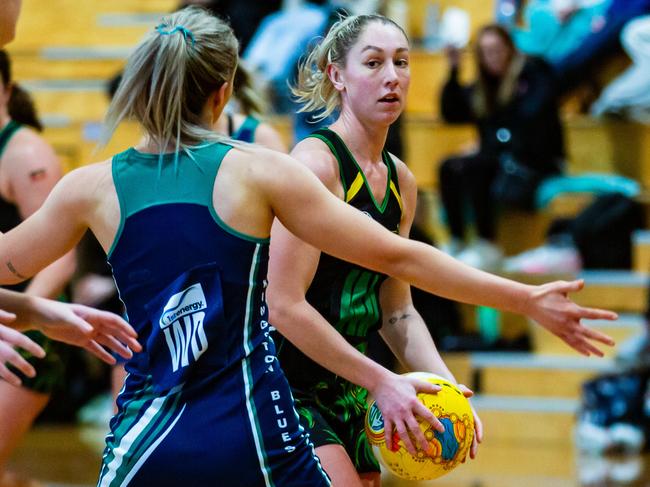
point(388, 116)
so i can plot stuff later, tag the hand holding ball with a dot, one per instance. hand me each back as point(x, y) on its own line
point(446, 450)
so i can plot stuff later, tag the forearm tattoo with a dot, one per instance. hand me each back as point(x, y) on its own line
point(37, 174)
point(13, 270)
point(394, 319)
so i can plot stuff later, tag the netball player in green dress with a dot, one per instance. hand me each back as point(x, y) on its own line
point(326, 307)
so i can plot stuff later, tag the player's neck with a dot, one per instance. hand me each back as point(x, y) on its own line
point(150, 146)
point(365, 141)
point(221, 125)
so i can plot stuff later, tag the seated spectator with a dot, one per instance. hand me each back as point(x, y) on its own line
point(603, 41)
point(555, 28)
point(513, 105)
point(629, 94)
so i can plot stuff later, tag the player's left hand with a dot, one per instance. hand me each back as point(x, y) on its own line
point(550, 306)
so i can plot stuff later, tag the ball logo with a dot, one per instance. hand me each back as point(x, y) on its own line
point(375, 425)
point(182, 324)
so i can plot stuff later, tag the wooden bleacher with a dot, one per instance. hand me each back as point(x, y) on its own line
point(641, 251)
point(79, 106)
point(608, 146)
point(65, 23)
point(628, 325)
point(32, 66)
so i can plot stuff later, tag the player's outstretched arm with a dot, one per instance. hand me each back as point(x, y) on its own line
point(314, 215)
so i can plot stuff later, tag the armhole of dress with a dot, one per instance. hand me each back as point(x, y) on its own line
point(327, 139)
point(122, 203)
point(223, 150)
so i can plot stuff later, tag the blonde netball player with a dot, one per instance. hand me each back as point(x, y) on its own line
point(361, 69)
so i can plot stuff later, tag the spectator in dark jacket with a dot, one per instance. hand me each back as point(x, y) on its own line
point(513, 105)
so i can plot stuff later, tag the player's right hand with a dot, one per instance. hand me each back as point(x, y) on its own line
point(400, 407)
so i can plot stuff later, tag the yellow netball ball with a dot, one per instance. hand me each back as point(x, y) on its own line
point(446, 450)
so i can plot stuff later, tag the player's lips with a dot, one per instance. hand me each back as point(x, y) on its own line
point(390, 98)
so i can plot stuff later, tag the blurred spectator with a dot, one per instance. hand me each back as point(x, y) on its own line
point(244, 16)
point(513, 105)
point(279, 42)
point(598, 237)
point(241, 120)
point(601, 42)
point(304, 123)
point(629, 94)
point(555, 28)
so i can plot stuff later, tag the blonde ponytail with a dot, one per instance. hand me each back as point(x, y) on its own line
point(169, 77)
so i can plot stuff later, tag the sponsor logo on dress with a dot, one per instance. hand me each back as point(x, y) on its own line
point(182, 324)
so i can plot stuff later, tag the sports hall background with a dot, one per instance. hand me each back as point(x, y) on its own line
point(66, 50)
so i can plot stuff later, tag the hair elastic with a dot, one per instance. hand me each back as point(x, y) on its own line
point(187, 34)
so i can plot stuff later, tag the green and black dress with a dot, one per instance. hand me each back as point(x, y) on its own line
point(332, 408)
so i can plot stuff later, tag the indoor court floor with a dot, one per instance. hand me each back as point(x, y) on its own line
point(67, 456)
